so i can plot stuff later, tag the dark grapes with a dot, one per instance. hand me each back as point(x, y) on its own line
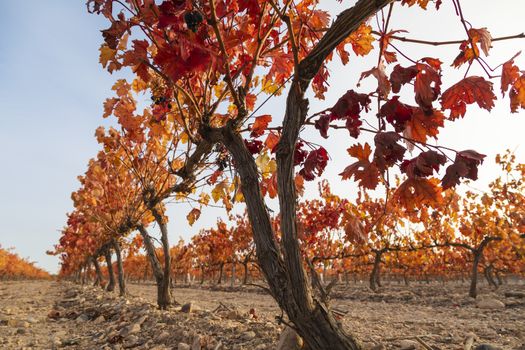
point(193, 19)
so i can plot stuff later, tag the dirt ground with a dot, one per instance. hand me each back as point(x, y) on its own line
point(52, 315)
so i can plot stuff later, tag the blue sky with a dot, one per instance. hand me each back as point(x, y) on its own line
point(53, 88)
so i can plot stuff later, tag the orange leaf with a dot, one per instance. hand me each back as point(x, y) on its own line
point(363, 171)
point(360, 152)
point(467, 91)
point(509, 74)
point(354, 230)
point(417, 192)
point(271, 141)
point(421, 126)
point(193, 216)
point(517, 94)
point(260, 125)
point(482, 36)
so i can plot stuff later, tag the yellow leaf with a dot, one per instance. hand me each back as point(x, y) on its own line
point(266, 165)
point(204, 198)
point(219, 89)
point(138, 85)
point(270, 87)
point(193, 216)
point(219, 191)
point(106, 55)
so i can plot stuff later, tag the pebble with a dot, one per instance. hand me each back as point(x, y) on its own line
point(490, 303)
point(408, 345)
point(131, 329)
point(183, 346)
point(249, 335)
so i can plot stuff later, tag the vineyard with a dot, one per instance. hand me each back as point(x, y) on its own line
point(401, 250)
point(13, 267)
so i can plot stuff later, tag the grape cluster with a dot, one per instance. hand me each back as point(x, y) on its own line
point(193, 19)
point(161, 100)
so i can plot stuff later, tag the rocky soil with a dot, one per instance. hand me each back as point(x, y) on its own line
point(56, 315)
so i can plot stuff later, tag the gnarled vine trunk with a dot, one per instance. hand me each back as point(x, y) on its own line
point(477, 255)
point(111, 284)
point(120, 268)
point(374, 275)
point(283, 267)
point(473, 290)
point(161, 275)
point(221, 272)
point(488, 272)
point(98, 273)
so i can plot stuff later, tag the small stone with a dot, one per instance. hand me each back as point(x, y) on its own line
point(141, 320)
point(163, 336)
point(289, 340)
point(249, 335)
point(131, 329)
point(196, 345)
point(31, 320)
point(100, 319)
point(130, 341)
point(183, 346)
point(408, 345)
point(82, 318)
point(69, 342)
point(20, 324)
point(490, 303)
point(21, 331)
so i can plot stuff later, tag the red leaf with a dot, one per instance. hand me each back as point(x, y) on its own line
point(260, 125)
point(467, 91)
point(254, 146)
point(388, 151)
point(350, 105)
point(355, 231)
point(299, 153)
point(314, 164)
point(400, 76)
point(427, 86)
point(113, 34)
point(353, 125)
point(465, 166)
point(424, 164)
point(177, 64)
point(396, 113)
point(323, 124)
point(138, 58)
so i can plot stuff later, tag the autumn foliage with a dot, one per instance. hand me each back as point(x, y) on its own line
point(13, 267)
point(209, 67)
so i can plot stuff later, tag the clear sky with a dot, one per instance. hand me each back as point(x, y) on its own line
point(52, 89)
